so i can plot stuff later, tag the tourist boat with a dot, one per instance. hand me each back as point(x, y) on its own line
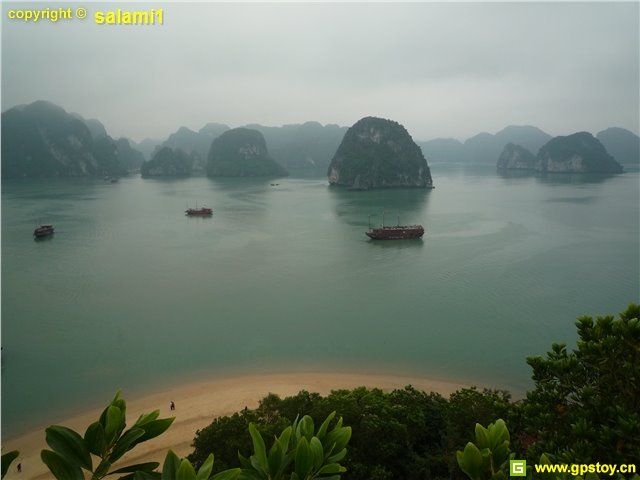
point(43, 231)
point(397, 232)
point(199, 212)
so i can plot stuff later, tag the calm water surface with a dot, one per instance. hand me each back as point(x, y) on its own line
point(130, 294)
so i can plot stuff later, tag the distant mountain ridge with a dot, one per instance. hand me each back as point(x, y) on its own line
point(486, 148)
point(622, 144)
point(42, 139)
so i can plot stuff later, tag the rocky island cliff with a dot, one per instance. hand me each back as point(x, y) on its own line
point(242, 152)
point(43, 140)
point(577, 153)
point(378, 153)
point(516, 157)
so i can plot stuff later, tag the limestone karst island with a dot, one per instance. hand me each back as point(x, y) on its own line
point(378, 153)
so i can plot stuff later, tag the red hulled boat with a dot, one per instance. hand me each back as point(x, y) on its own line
point(397, 232)
point(199, 212)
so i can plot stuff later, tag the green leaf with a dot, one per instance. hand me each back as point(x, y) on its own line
point(482, 436)
point(331, 468)
point(498, 434)
point(139, 475)
point(338, 456)
point(6, 460)
point(186, 471)
point(152, 429)
point(231, 474)
point(146, 418)
point(317, 452)
point(114, 421)
point(59, 467)
point(139, 467)
point(170, 466)
point(258, 448)
point(95, 439)
point(125, 443)
point(102, 469)
point(470, 461)
point(342, 438)
point(322, 431)
point(119, 402)
point(274, 459)
point(69, 445)
point(306, 427)
point(284, 439)
point(304, 458)
point(205, 470)
point(244, 462)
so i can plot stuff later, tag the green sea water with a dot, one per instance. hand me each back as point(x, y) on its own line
point(130, 294)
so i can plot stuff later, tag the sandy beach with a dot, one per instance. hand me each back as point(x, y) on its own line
point(197, 404)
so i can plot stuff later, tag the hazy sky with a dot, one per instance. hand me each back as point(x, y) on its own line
point(442, 70)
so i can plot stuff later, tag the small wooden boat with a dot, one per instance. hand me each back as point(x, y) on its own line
point(43, 231)
point(199, 212)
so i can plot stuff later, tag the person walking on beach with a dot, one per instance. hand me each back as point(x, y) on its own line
point(172, 405)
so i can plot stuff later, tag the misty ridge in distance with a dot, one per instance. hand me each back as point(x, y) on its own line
point(28, 132)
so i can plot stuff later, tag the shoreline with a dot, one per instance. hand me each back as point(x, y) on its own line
point(198, 402)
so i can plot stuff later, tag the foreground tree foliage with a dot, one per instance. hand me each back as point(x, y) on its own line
point(300, 452)
point(489, 458)
point(584, 409)
point(402, 434)
point(586, 403)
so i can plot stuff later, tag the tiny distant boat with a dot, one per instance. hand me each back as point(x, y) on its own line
point(397, 232)
point(43, 231)
point(199, 212)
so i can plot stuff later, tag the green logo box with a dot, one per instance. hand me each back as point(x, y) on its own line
point(518, 468)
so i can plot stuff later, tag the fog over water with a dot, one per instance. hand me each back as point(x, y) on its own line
point(442, 70)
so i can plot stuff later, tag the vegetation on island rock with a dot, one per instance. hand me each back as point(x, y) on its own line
point(43, 140)
point(378, 153)
point(242, 152)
